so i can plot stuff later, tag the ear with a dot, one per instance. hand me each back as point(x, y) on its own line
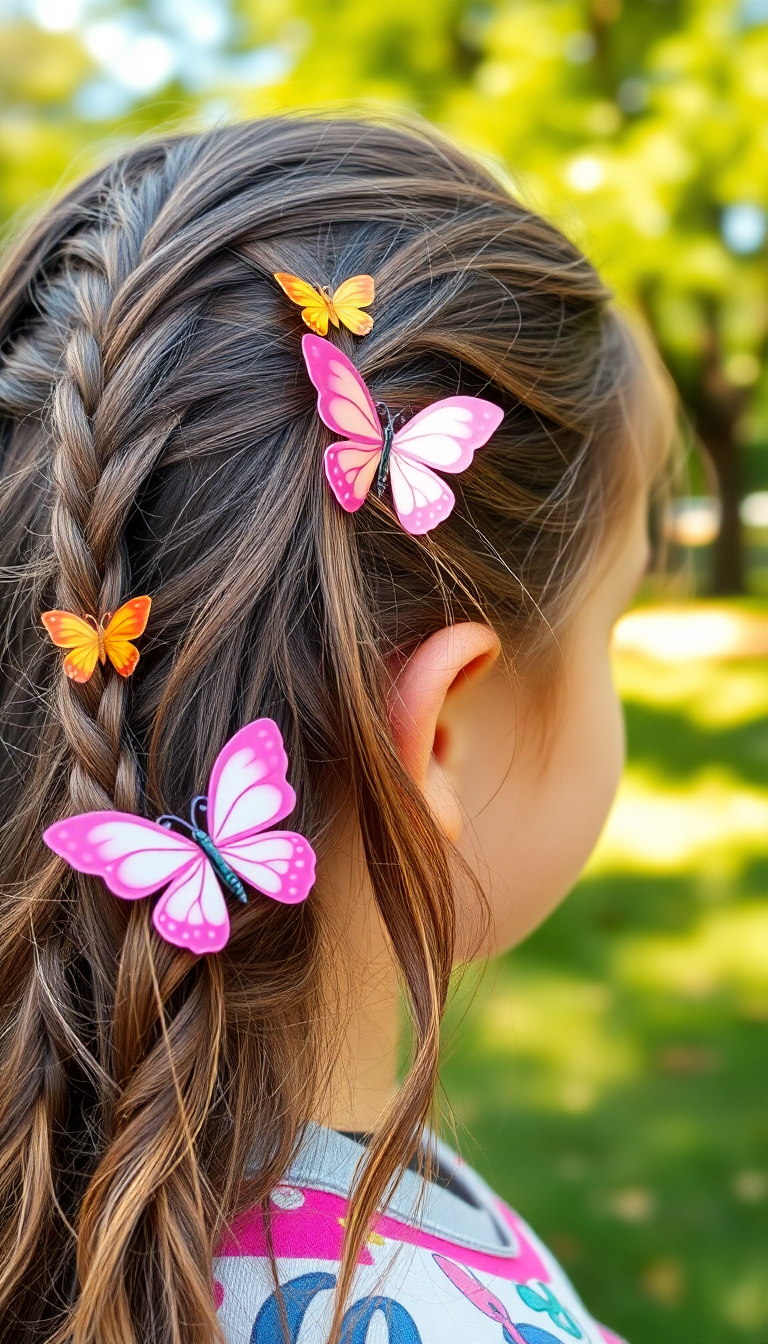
point(420, 687)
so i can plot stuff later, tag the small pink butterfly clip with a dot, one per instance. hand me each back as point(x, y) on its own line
point(445, 435)
point(223, 846)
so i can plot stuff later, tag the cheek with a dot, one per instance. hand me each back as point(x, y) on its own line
point(534, 834)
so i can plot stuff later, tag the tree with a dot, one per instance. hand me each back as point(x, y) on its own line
point(652, 114)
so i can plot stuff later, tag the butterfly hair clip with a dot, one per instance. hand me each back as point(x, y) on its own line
point(90, 640)
point(401, 450)
point(224, 847)
point(320, 305)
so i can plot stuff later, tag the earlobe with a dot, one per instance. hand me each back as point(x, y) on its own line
point(446, 660)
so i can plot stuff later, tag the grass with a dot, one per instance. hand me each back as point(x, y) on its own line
point(613, 1071)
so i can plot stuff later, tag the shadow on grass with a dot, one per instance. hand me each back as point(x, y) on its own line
point(742, 749)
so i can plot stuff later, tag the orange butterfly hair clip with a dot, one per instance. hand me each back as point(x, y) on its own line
point(90, 640)
point(321, 306)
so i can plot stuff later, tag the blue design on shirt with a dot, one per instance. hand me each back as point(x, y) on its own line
point(401, 1327)
point(297, 1295)
point(532, 1334)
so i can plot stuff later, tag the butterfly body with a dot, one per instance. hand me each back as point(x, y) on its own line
point(320, 305)
point(100, 638)
point(327, 293)
point(226, 844)
point(91, 641)
point(228, 875)
point(382, 475)
point(400, 452)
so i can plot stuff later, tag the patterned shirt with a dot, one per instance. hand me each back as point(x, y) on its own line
point(445, 1263)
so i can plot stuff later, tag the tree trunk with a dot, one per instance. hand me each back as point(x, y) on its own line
point(728, 575)
point(717, 407)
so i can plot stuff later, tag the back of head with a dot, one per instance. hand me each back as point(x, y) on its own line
point(158, 435)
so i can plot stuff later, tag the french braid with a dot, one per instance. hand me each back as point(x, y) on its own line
point(93, 450)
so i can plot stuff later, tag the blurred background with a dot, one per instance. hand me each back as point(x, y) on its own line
point(612, 1072)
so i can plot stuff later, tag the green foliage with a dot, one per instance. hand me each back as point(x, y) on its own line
point(651, 116)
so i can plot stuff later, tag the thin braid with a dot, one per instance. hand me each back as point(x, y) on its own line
point(161, 1092)
point(95, 470)
point(91, 578)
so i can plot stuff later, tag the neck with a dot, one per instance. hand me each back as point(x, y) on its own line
point(364, 1000)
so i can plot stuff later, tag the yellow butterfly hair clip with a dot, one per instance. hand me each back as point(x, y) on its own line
point(90, 641)
point(321, 306)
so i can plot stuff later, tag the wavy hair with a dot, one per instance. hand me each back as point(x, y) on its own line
point(158, 434)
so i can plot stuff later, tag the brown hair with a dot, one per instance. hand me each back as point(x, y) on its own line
point(159, 435)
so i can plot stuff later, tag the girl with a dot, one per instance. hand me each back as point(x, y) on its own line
point(213, 1144)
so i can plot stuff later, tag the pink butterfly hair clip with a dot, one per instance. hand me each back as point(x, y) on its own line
point(401, 450)
point(223, 847)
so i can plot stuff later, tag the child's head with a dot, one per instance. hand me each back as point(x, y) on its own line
point(159, 435)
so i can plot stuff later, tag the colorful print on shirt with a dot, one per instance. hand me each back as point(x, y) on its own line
point(411, 1287)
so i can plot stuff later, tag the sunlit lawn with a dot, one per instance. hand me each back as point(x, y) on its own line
point(613, 1072)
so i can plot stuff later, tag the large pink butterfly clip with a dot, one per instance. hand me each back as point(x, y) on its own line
point(376, 444)
point(225, 845)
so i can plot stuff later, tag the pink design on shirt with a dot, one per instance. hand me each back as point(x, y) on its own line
point(480, 1296)
point(609, 1336)
point(529, 1264)
point(314, 1230)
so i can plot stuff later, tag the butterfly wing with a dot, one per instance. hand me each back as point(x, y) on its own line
point(71, 632)
point(421, 498)
point(350, 469)
point(344, 403)
point(128, 622)
point(312, 302)
point(348, 300)
point(193, 913)
point(134, 857)
point(445, 435)
point(281, 864)
point(248, 789)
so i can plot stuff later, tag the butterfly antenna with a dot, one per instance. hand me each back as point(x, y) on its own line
point(171, 823)
point(198, 811)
